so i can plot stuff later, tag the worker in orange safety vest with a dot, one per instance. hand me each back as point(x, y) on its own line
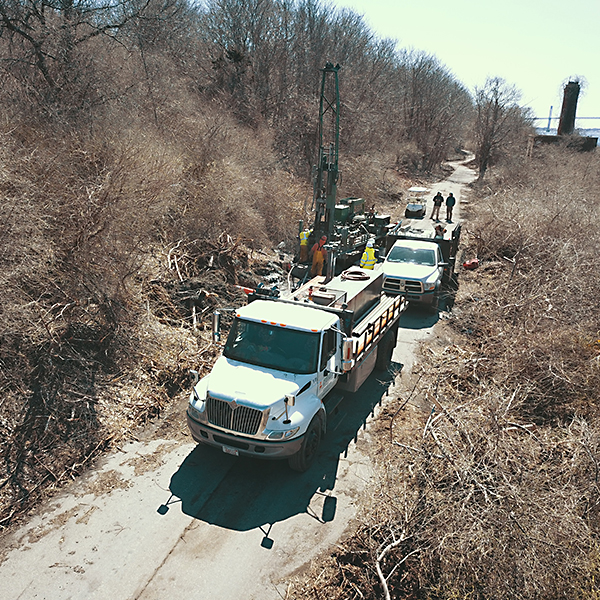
point(319, 254)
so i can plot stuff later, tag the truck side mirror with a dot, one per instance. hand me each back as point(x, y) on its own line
point(347, 354)
point(290, 400)
point(194, 377)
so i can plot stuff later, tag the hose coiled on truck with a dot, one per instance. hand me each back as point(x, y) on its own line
point(354, 275)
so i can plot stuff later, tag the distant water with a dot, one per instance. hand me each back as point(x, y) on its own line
point(582, 132)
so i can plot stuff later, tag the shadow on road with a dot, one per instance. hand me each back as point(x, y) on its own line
point(449, 295)
point(243, 493)
point(423, 317)
point(418, 317)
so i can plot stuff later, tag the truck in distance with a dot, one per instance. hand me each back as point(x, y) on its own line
point(416, 208)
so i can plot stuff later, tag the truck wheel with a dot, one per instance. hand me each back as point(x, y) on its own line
point(385, 350)
point(304, 458)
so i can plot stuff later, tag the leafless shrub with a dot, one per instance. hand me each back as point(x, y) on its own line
point(489, 481)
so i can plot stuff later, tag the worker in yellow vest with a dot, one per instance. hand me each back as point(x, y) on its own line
point(304, 245)
point(368, 259)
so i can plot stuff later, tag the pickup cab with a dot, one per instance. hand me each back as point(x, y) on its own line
point(414, 269)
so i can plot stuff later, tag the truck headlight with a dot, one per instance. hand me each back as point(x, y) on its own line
point(282, 435)
point(431, 282)
point(195, 413)
point(196, 406)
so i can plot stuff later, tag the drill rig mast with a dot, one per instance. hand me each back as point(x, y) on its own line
point(326, 170)
point(345, 223)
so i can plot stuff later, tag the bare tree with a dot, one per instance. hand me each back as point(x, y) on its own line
point(499, 118)
point(433, 106)
point(57, 50)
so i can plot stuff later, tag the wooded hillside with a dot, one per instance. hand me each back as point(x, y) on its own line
point(137, 133)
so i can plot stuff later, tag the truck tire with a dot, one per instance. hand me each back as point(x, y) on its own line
point(385, 349)
point(304, 458)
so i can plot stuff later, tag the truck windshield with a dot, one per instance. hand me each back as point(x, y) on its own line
point(412, 255)
point(273, 347)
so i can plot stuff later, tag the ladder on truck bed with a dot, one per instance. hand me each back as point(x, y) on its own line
point(376, 324)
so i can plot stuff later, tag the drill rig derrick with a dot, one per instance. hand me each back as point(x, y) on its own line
point(326, 171)
point(345, 223)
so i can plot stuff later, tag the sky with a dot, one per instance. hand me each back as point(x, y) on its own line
point(535, 45)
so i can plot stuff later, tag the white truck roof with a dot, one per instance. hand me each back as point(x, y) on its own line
point(284, 314)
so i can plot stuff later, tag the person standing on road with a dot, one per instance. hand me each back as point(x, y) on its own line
point(319, 254)
point(437, 202)
point(450, 202)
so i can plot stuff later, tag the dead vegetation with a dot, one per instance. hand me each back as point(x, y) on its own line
point(89, 354)
point(489, 460)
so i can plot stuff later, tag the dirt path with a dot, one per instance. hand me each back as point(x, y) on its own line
point(166, 518)
point(417, 325)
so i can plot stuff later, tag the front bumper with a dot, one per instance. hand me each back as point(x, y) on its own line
point(424, 298)
point(412, 297)
point(241, 445)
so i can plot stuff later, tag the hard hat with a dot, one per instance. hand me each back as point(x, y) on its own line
point(370, 244)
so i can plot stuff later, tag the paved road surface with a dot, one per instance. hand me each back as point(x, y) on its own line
point(169, 520)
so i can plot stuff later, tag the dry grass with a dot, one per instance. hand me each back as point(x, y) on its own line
point(489, 482)
point(88, 283)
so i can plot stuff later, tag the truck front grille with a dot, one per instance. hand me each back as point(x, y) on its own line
point(402, 286)
point(413, 287)
point(241, 419)
point(392, 285)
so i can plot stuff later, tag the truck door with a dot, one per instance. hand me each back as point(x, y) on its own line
point(330, 348)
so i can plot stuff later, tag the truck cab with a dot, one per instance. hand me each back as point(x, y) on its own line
point(271, 377)
point(414, 268)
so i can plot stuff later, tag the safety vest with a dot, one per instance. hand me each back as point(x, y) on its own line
point(304, 238)
point(368, 259)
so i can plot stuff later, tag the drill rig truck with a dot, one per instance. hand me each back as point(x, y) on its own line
point(289, 358)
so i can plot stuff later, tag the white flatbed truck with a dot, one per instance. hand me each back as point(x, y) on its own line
point(285, 361)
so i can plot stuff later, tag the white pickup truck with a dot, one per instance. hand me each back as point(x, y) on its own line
point(269, 394)
point(419, 263)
